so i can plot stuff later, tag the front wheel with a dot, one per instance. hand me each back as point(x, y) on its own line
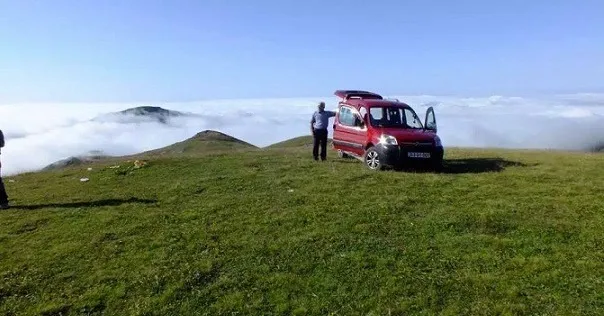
point(372, 159)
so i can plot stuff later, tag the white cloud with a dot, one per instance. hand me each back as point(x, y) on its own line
point(40, 134)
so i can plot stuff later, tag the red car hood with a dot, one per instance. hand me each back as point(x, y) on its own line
point(410, 135)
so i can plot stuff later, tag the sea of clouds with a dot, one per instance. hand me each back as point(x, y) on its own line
point(40, 134)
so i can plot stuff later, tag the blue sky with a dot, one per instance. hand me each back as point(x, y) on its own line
point(158, 51)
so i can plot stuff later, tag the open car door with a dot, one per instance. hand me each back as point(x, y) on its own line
point(430, 121)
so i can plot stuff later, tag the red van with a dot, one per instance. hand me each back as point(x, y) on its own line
point(384, 133)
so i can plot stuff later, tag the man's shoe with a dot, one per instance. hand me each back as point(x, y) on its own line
point(4, 206)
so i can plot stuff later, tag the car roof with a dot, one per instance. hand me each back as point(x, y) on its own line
point(373, 103)
point(362, 98)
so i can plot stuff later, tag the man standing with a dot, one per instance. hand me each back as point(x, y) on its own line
point(318, 128)
point(3, 195)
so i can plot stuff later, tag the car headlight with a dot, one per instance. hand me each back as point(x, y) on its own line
point(437, 141)
point(388, 140)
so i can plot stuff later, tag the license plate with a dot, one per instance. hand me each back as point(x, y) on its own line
point(418, 155)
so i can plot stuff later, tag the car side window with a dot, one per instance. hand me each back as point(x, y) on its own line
point(342, 115)
point(346, 117)
point(412, 120)
point(375, 116)
point(376, 113)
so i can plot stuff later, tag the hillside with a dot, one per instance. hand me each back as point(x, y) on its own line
point(258, 232)
point(73, 161)
point(301, 141)
point(205, 142)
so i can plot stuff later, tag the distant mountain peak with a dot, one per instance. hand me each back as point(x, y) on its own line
point(91, 156)
point(151, 110)
point(598, 147)
point(142, 114)
point(155, 112)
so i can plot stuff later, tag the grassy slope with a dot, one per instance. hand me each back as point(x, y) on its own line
point(203, 143)
point(206, 142)
point(270, 231)
point(297, 142)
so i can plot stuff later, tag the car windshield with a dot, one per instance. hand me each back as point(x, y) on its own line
point(398, 117)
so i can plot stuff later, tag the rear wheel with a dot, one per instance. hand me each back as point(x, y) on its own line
point(372, 159)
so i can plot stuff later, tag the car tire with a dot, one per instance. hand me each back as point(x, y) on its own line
point(437, 165)
point(373, 159)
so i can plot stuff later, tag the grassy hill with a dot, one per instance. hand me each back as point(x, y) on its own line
point(206, 142)
point(297, 142)
point(272, 232)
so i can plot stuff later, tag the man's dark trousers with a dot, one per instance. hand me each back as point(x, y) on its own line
point(3, 196)
point(320, 139)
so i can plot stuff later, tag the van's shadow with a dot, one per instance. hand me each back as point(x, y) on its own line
point(472, 165)
point(97, 203)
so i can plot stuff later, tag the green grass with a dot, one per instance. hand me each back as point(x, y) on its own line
point(270, 231)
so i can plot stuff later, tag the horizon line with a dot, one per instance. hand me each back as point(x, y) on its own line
point(595, 92)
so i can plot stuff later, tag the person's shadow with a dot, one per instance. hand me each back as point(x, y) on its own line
point(97, 203)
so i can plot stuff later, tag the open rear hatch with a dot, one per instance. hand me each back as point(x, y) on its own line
point(357, 94)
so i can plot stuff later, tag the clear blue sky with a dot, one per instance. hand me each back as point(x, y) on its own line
point(151, 50)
